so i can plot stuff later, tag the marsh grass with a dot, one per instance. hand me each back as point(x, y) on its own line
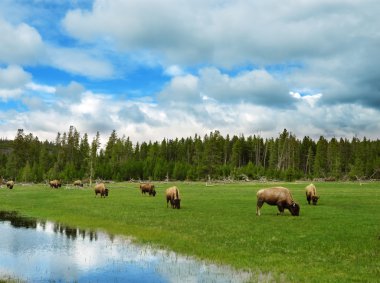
point(336, 241)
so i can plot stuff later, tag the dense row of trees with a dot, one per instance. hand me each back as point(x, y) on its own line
point(72, 156)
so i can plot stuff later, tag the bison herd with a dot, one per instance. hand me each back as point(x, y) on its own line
point(275, 196)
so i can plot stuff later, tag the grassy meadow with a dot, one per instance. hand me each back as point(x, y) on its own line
point(336, 241)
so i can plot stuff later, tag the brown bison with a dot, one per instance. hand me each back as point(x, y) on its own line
point(55, 184)
point(10, 184)
point(148, 188)
point(78, 183)
point(311, 194)
point(279, 196)
point(172, 195)
point(101, 189)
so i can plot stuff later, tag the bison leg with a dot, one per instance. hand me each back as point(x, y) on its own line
point(281, 209)
point(258, 207)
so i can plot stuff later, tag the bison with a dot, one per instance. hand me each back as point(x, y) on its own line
point(148, 188)
point(172, 195)
point(101, 189)
point(10, 184)
point(55, 184)
point(78, 183)
point(311, 194)
point(279, 196)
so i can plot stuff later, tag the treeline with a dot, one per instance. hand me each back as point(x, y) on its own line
point(72, 156)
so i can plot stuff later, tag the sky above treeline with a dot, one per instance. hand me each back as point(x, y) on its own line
point(173, 68)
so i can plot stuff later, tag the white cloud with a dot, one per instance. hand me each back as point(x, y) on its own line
point(222, 32)
point(331, 41)
point(77, 61)
point(182, 89)
point(12, 82)
point(256, 86)
point(40, 88)
point(92, 104)
point(174, 71)
point(311, 99)
point(6, 94)
point(305, 65)
point(20, 44)
point(70, 93)
point(13, 77)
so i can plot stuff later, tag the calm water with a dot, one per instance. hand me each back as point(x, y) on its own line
point(37, 251)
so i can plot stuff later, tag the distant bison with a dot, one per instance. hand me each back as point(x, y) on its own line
point(279, 196)
point(148, 188)
point(10, 184)
point(101, 189)
point(172, 196)
point(311, 194)
point(78, 183)
point(55, 184)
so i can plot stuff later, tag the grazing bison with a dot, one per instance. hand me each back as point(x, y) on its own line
point(55, 184)
point(101, 189)
point(10, 185)
point(311, 194)
point(78, 183)
point(279, 196)
point(148, 188)
point(172, 195)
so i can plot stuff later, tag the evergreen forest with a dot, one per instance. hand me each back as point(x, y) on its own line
point(211, 157)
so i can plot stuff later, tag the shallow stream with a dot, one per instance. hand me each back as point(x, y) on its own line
point(43, 251)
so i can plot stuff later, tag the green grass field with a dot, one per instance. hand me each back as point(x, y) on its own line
point(336, 241)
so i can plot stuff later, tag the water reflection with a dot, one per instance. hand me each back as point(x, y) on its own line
point(24, 222)
point(44, 251)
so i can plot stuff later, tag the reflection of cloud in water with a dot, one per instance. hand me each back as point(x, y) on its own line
point(54, 252)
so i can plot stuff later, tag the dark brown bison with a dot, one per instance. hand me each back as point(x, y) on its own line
point(78, 183)
point(101, 189)
point(279, 196)
point(148, 188)
point(172, 196)
point(55, 184)
point(10, 184)
point(311, 194)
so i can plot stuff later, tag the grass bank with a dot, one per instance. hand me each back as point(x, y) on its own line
point(336, 241)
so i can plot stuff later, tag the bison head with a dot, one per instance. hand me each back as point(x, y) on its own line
point(177, 203)
point(315, 199)
point(154, 193)
point(106, 192)
point(294, 209)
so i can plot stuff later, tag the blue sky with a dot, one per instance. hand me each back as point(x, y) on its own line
point(174, 68)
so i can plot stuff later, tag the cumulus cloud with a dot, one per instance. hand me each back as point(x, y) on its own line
point(256, 87)
point(13, 76)
point(12, 81)
point(220, 31)
point(20, 44)
point(237, 66)
point(310, 99)
point(71, 92)
point(137, 114)
point(182, 89)
point(329, 39)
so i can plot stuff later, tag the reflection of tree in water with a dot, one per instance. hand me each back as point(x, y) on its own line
point(18, 221)
point(73, 233)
